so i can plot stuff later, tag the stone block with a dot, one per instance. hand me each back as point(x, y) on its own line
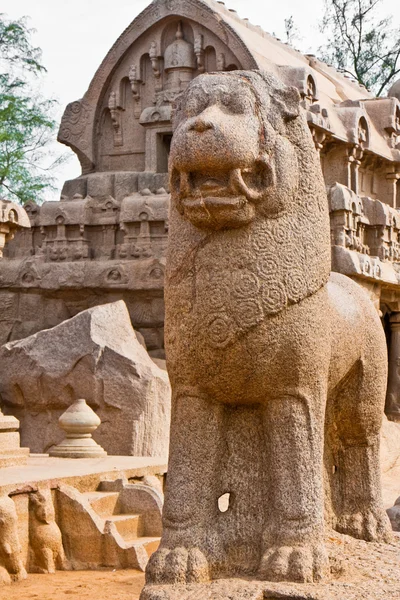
point(100, 185)
point(125, 184)
point(75, 186)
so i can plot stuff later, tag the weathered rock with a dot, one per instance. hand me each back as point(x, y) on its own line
point(11, 567)
point(278, 369)
point(96, 356)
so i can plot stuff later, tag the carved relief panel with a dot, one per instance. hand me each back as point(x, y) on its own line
point(155, 69)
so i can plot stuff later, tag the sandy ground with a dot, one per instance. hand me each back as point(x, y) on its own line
point(360, 571)
point(82, 585)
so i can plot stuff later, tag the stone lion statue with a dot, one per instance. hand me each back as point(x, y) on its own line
point(278, 367)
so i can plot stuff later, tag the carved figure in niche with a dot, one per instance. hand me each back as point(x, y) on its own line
point(116, 117)
point(276, 365)
point(116, 276)
point(45, 541)
point(362, 132)
point(11, 566)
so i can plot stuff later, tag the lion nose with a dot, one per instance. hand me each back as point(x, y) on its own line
point(201, 125)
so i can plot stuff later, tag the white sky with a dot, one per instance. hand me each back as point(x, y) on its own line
point(75, 35)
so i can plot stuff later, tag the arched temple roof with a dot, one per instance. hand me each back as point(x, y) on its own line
point(253, 49)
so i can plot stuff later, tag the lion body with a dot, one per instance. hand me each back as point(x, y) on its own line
point(278, 369)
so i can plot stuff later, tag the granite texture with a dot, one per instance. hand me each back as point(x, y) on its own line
point(278, 369)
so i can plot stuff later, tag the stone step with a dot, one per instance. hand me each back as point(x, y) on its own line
point(150, 544)
point(128, 525)
point(104, 503)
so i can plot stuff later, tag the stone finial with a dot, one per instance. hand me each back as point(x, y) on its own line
point(79, 421)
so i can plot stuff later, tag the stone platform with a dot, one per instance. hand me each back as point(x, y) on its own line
point(360, 571)
point(84, 474)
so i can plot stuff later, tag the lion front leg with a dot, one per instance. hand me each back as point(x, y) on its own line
point(188, 546)
point(294, 535)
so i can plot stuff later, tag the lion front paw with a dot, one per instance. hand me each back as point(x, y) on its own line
point(305, 564)
point(372, 526)
point(178, 565)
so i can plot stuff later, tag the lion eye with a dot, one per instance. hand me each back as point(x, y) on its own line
point(235, 103)
point(195, 104)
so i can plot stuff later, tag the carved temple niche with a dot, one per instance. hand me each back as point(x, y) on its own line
point(120, 139)
point(130, 135)
point(393, 130)
point(356, 153)
point(368, 176)
point(387, 179)
point(210, 59)
point(105, 140)
point(336, 166)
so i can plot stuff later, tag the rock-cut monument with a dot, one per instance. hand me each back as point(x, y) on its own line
point(105, 239)
point(278, 368)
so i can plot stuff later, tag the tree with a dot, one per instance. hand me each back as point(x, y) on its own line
point(360, 43)
point(291, 31)
point(26, 124)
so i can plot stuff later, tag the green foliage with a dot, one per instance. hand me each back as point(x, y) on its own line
point(360, 43)
point(26, 124)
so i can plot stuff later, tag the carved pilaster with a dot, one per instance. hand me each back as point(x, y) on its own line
point(221, 64)
point(115, 111)
point(155, 65)
point(199, 52)
point(319, 137)
point(135, 82)
point(355, 155)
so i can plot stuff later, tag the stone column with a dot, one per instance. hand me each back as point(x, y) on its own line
point(393, 390)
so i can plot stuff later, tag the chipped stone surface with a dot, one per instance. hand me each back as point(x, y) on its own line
point(11, 565)
point(95, 356)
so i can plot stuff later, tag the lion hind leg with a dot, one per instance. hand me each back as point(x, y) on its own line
point(355, 476)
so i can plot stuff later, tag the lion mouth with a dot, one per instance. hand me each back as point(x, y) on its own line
point(225, 187)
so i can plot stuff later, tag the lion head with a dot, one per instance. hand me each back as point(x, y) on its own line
point(248, 193)
point(230, 154)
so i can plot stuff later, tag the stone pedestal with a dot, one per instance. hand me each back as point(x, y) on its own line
point(79, 421)
point(10, 452)
point(393, 389)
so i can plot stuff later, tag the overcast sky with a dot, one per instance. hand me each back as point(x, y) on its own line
point(75, 35)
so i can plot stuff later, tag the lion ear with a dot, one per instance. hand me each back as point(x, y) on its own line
point(176, 111)
point(288, 100)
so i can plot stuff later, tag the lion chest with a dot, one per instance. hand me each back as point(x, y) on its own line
point(216, 307)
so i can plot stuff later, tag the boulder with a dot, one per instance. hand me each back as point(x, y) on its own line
point(95, 355)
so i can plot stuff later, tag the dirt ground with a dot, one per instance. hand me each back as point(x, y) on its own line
point(82, 585)
point(360, 571)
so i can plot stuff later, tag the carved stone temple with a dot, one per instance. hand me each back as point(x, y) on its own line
point(105, 239)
